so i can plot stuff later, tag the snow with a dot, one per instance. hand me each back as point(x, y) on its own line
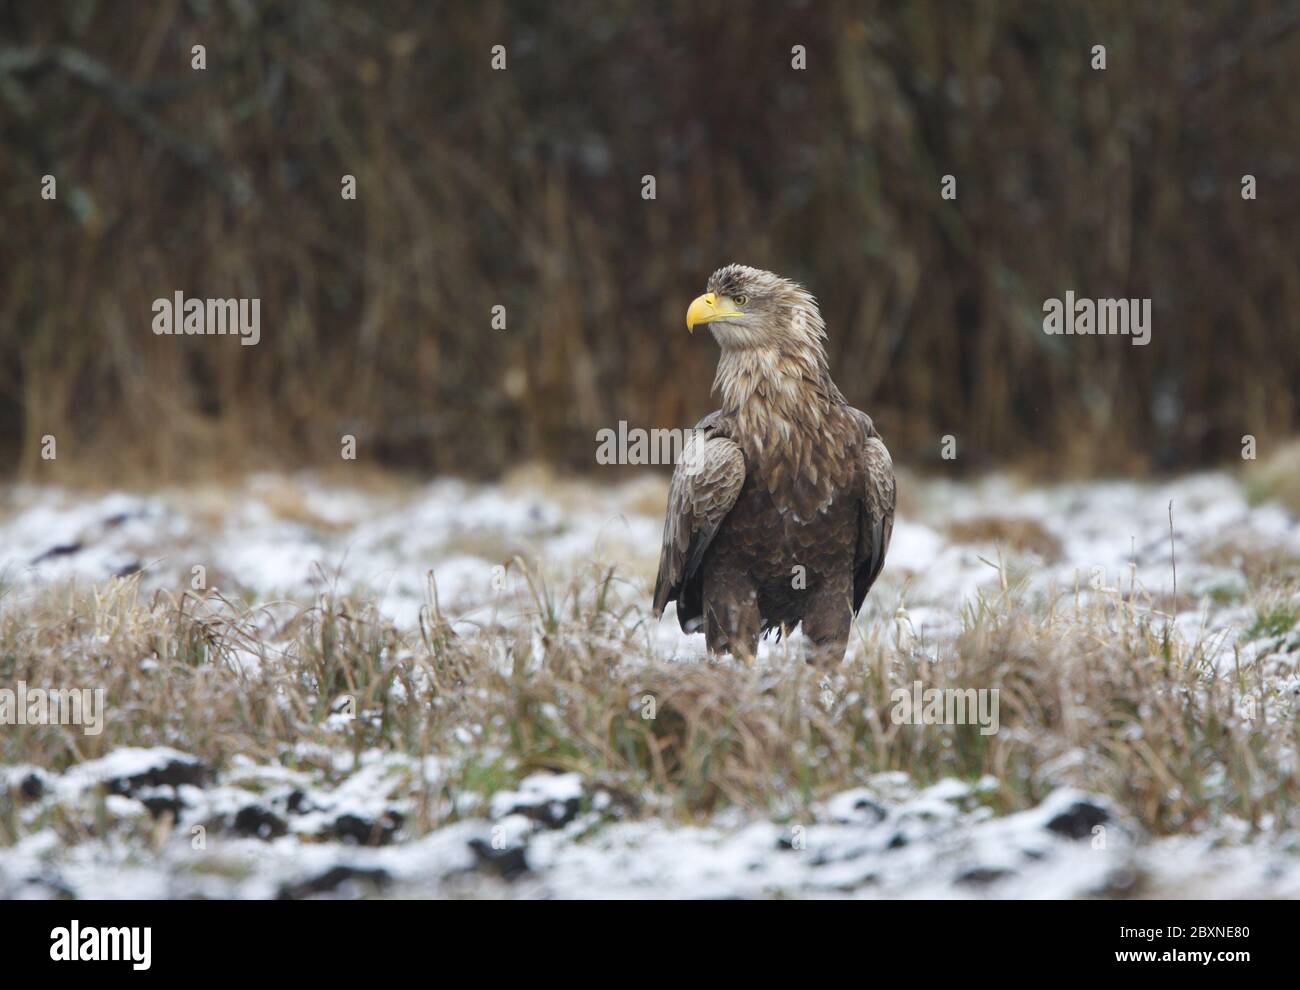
point(296, 537)
point(123, 763)
point(1115, 534)
point(883, 841)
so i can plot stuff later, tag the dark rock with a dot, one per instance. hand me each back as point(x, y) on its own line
point(160, 804)
point(1078, 820)
point(52, 888)
point(62, 550)
point(332, 879)
point(897, 842)
point(981, 876)
point(32, 787)
point(508, 863)
point(548, 814)
point(541, 804)
point(128, 569)
point(354, 828)
point(173, 773)
point(255, 821)
point(870, 807)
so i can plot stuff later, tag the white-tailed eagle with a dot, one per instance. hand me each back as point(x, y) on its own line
point(782, 505)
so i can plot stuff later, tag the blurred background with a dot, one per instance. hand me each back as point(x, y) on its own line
point(523, 188)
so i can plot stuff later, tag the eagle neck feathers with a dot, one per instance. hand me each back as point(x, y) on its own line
point(791, 421)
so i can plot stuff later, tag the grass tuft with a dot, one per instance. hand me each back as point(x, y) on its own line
point(1095, 691)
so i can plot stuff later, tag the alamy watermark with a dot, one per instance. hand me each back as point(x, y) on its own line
point(636, 445)
point(53, 706)
point(180, 316)
point(946, 706)
point(1098, 317)
point(102, 944)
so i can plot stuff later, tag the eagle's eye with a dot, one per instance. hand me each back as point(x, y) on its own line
point(741, 299)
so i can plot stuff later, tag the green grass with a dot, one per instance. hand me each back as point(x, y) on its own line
point(1274, 620)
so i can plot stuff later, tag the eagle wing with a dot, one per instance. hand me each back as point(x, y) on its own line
point(876, 515)
point(706, 483)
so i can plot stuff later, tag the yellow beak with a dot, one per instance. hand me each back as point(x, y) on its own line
point(705, 309)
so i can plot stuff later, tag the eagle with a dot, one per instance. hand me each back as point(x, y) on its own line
point(782, 502)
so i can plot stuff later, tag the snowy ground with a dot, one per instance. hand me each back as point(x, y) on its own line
point(249, 829)
point(291, 538)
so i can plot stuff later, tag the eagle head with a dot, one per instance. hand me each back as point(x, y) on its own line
point(750, 309)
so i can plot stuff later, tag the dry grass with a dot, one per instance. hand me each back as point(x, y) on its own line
point(1094, 692)
point(1276, 478)
point(1024, 534)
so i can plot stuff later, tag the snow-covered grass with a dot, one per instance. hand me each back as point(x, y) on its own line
point(457, 689)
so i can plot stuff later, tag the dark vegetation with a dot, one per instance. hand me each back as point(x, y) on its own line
point(523, 188)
